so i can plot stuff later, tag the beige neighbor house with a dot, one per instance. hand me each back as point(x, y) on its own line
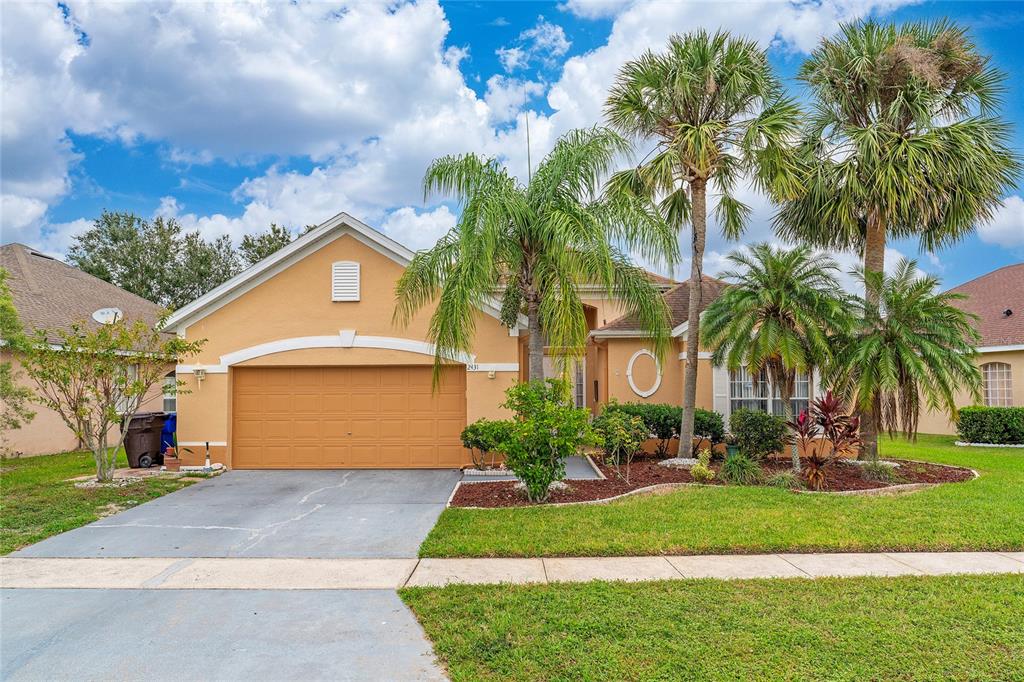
point(998, 300)
point(304, 367)
point(51, 295)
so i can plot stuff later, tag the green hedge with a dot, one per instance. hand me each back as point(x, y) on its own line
point(664, 420)
point(998, 425)
point(758, 434)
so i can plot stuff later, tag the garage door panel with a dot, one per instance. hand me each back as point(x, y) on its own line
point(316, 417)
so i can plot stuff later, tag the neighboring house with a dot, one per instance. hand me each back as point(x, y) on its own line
point(51, 295)
point(998, 300)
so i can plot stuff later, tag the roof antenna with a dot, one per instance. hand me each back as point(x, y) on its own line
point(529, 164)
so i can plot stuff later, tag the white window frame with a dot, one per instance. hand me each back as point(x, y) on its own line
point(760, 390)
point(997, 384)
point(341, 269)
point(172, 398)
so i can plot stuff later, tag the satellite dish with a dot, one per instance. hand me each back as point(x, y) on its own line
point(108, 315)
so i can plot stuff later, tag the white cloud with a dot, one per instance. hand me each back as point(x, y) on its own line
point(595, 9)
point(418, 230)
point(544, 42)
point(1007, 227)
point(506, 96)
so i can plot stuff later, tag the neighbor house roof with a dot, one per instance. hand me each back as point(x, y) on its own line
point(998, 300)
point(678, 300)
point(52, 295)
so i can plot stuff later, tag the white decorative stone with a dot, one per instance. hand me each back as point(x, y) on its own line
point(678, 463)
point(882, 462)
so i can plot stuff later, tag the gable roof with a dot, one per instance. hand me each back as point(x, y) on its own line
point(340, 225)
point(989, 297)
point(52, 295)
point(678, 300)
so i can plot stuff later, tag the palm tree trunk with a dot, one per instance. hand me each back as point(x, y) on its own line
point(874, 261)
point(535, 345)
point(699, 220)
point(787, 411)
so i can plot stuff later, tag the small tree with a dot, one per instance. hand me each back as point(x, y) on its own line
point(93, 378)
point(14, 399)
point(547, 429)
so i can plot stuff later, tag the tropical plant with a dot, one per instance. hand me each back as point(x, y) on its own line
point(715, 113)
point(824, 433)
point(546, 430)
point(777, 317)
point(535, 244)
point(94, 377)
point(740, 469)
point(701, 472)
point(620, 436)
point(784, 480)
point(757, 434)
point(912, 348)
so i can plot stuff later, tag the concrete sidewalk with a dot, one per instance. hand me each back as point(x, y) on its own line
point(376, 574)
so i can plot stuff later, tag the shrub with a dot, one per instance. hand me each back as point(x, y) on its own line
point(484, 437)
point(876, 471)
point(741, 469)
point(620, 436)
point(998, 425)
point(824, 433)
point(663, 421)
point(758, 434)
point(702, 471)
point(546, 430)
point(786, 480)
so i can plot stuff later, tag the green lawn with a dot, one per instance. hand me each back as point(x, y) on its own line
point(983, 514)
point(37, 501)
point(910, 628)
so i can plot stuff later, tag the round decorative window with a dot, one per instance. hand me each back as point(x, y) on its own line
point(644, 393)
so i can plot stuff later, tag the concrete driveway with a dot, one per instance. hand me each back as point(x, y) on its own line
point(243, 634)
point(314, 514)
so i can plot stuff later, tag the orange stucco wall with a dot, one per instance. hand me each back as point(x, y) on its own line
point(297, 303)
point(618, 354)
point(47, 433)
point(933, 421)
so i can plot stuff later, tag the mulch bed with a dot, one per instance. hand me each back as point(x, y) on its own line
point(840, 476)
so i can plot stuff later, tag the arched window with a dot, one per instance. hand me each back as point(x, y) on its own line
point(997, 384)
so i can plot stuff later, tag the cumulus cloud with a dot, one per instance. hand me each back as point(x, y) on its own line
point(418, 230)
point(544, 42)
point(1007, 227)
point(506, 96)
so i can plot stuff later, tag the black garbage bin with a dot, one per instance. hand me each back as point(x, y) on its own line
point(142, 442)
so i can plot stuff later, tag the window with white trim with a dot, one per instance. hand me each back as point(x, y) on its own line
point(997, 384)
point(345, 281)
point(757, 393)
point(170, 393)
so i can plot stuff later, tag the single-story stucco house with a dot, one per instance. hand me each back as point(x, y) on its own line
point(303, 366)
point(51, 295)
point(997, 298)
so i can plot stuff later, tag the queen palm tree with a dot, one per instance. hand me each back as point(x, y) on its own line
point(714, 112)
point(910, 346)
point(534, 244)
point(777, 317)
point(902, 142)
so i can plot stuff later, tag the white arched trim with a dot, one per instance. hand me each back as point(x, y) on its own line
point(629, 373)
point(345, 339)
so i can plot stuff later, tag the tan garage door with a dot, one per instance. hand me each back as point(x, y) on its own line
point(347, 417)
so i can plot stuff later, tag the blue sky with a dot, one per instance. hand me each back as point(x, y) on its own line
point(229, 117)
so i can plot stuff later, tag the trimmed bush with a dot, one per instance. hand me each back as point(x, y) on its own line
point(663, 420)
point(758, 434)
point(996, 425)
point(484, 437)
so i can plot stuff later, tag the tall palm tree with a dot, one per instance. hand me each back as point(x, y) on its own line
point(903, 141)
point(715, 114)
point(777, 317)
point(910, 345)
point(534, 244)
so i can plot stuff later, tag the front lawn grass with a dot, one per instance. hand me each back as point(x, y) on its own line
point(983, 514)
point(37, 500)
point(908, 628)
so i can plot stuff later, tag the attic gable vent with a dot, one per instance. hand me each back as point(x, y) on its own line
point(345, 281)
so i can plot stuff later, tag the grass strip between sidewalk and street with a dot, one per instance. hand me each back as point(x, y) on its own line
point(906, 628)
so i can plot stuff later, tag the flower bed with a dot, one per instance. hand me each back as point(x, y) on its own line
point(841, 476)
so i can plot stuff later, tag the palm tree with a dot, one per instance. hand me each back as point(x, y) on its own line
point(777, 317)
point(534, 244)
point(910, 344)
point(902, 142)
point(715, 113)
